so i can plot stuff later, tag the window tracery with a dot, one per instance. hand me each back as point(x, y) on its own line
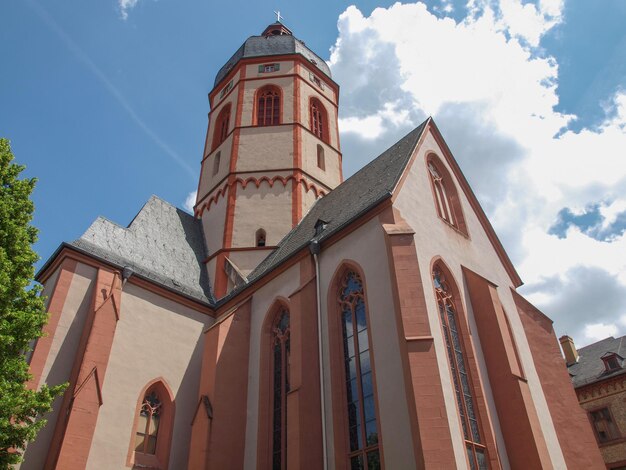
point(280, 387)
point(363, 452)
point(318, 119)
point(268, 106)
point(148, 426)
point(445, 195)
point(476, 450)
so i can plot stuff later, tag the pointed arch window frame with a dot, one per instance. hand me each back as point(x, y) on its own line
point(222, 126)
point(466, 392)
point(160, 458)
point(268, 109)
point(445, 194)
point(318, 119)
point(339, 382)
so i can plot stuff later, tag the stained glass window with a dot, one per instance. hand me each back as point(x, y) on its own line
point(148, 426)
point(476, 451)
point(268, 107)
point(363, 452)
point(280, 387)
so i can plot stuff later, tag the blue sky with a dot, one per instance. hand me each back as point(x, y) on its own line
point(106, 104)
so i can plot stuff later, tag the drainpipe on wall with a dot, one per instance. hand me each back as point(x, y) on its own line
point(315, 248)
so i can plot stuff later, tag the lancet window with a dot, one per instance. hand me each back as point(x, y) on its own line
point(318, 120)
point(457, 358)
point(280, 387)
point(445, 194)
point(221, 126)
point(148, 425)
point(268, 106)
point(363, 452)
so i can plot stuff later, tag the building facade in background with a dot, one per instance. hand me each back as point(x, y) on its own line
point(599, 378)
point(298, 320)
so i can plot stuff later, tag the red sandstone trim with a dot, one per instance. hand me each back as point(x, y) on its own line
point(78, 414)
point(335, 340)
point(160, 460)
point(474, 376)
point(266, 372)
point(519, 421)
point(432, 441)
point(296, 179)
point(41, 350)
point(576, 437)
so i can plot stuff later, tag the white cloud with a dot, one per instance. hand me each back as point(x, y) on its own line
point(493, 93)
point(125, 6)
point(597, 331)
point(190, 201)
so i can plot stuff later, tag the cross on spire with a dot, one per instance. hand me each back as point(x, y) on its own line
point(278, 17)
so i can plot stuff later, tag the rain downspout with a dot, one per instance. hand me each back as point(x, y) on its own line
point(315, 248)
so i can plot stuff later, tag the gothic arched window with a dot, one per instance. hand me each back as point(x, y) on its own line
point(268, 106)
point(148, 427)
point(280, 387)
point(152, 434)
point(318, 119)
point(221, 126)
point(457, 358)
point(363, 451)
point(445, 194)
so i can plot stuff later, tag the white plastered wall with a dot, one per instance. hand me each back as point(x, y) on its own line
point(282, 82)
point(62, 353)
point(433, 237)
point(263, 299)
point(264, 207)
point(331, 174)
point(265, 148)
point(366, 246)
point(213, 220)
point(155, 337)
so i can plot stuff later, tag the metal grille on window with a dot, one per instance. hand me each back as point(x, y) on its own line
point(148, 426)
point(363, 452)
point(268, 108)
point(476, 451)
point(281, 346)
point(317, 119)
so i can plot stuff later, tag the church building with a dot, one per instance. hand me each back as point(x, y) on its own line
point(299, 320)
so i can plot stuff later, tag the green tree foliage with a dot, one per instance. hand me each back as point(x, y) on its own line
point(22, 314)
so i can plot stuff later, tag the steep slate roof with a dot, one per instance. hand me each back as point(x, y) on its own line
point(360, 193)
point(259, 46)
point(590, 366)
point(162, 244)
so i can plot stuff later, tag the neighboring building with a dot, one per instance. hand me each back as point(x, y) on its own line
point(297, 318)
point(598, 373)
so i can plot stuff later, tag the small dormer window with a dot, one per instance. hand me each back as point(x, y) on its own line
point(320, 225)
point(612, 362)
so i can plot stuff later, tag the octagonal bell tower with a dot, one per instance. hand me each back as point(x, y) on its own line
point(272, 149)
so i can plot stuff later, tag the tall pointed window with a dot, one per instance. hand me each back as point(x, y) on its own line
point(268, 106)
point(280, 387)
point(318, 119)
point(445, 194)
point(363, 452)
point(148, 427)
point(221, 127)
point(152, 435)
point(476, 450)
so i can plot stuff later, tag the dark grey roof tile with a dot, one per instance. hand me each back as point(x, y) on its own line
point(590, 366)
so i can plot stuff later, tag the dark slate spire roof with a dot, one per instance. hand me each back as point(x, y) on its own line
point(258, 46)
point(590, 366)
point(162, 244)
point(360, 193)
